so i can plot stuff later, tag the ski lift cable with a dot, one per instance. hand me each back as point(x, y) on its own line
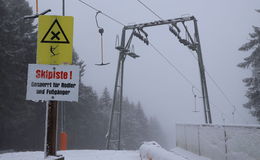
point(83, 2)
point(219, 88)
point(150, 9)
point(190, 51)
point(158, 51)
point(173, 66)
point(215, 83)
point(186, 79)
point(168, 61)
point(113, 19)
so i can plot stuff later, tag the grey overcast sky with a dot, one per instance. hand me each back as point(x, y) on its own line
point(223, 26)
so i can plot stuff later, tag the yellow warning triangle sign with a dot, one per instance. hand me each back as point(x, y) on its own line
point(54, 40)
point(55, 34)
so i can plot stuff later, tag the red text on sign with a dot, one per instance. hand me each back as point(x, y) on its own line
point(46, 74)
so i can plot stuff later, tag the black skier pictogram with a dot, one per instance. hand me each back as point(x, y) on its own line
point(52, 50)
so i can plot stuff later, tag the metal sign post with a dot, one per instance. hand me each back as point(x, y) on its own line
point(54, 46)
point(52, 111)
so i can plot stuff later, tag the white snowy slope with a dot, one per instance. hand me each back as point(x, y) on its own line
point(94, 155)
point(153, 151)
point(76, 155)
point(188, 155)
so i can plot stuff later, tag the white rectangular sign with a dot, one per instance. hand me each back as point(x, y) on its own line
point(52, 82)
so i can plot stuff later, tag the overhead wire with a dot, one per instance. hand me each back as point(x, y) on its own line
point(90, 6)
point(184, 77)
point(162, 55)
point(159, 52)
point(150, 9)
point(213, 105)
point(173, 66)
point(168, 61)
point(220, 89)
point(215, 83)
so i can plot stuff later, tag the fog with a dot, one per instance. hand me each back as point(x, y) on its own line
point(150, 79)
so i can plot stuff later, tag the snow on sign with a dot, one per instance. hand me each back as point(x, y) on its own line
point(52, 82)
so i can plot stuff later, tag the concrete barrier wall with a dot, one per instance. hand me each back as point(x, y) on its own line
point(220, 142)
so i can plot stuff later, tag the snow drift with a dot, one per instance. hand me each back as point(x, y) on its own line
point(153, 151)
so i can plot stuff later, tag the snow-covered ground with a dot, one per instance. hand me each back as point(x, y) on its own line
point(178, 154)
point(188, 155)
point(76, 155)
point(153, 151)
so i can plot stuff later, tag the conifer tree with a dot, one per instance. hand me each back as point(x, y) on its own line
point(253, 62)
point(22, 123)
point(17, 48)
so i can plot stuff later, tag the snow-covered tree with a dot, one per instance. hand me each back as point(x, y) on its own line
point(253, 62)
point(105, 102)
point(17, 49)
point(22, 123)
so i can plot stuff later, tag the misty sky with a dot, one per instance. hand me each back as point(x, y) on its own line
point(223, 28)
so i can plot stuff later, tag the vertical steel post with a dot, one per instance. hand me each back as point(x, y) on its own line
point(108, 136)
point(225, 140)
point(199, 140)
point(62, 108)
point(117, 97)
point(63, 135)
point(63, 7)
point(202, 76)
point(121, 100)
point(37, 7)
